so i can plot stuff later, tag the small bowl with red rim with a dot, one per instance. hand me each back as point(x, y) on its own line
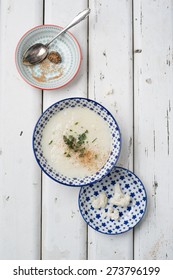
point(48, 75)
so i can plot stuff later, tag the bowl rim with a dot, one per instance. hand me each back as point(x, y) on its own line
point(118, 233)
point(94, 181)
point(37, 27)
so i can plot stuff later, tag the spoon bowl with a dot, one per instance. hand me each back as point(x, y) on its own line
point(35, 54)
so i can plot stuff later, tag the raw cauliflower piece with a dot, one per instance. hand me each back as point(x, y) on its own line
point(120, 199)
point(112, 213)
point(100, 201)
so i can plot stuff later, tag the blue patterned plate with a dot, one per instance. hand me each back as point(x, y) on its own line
point(128, 216)
point(47, 75)
point(94, 107)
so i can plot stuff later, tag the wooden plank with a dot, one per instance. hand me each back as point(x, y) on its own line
point(20, 107)
point(153, 44)
point(110, 83)
point(64, 231)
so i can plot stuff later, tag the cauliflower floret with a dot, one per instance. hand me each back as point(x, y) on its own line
point(100, 201)
point(120, 199)
point(112, 213)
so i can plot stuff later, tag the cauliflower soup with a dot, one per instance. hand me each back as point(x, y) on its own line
point(76, 142)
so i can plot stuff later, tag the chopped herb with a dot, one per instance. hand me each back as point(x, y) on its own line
point(69, 141)
point(71, 130)
point(81, 155)
point(68, 155)
point(50, 142)
point(94, 140)
point(82, 137)
point(76, 143)
point(82, 152)
point(76, 123)
point(96, 156)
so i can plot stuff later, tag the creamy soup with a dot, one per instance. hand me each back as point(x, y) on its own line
point(76, 142)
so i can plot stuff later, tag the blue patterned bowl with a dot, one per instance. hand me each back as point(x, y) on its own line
point(82, 103)
point(129, 216)
point(47, 75)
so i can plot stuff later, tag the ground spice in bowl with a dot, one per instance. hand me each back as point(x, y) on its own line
point(46, 67)
point(54, 57)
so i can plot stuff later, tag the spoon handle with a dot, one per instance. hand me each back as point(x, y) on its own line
point(82, 15)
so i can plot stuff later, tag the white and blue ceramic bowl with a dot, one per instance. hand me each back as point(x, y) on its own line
point(129, 216)
point(66, 45)
point(82, 103)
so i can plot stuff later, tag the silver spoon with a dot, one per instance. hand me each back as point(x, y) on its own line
point(38, 52)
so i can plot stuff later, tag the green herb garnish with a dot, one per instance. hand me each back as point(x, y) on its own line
point(76, 143)
point(70, 141)
point(82, 152)
point(68, 155)
point(76, 123)
point(94, 140)
point(50, 142)
point(81, 138)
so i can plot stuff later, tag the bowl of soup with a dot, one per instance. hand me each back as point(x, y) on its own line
point(76, 141)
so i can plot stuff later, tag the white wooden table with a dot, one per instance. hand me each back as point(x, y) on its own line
point(127, 66)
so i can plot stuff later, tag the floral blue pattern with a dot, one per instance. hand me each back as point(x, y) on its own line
point(98, 109)
point(129, 216)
